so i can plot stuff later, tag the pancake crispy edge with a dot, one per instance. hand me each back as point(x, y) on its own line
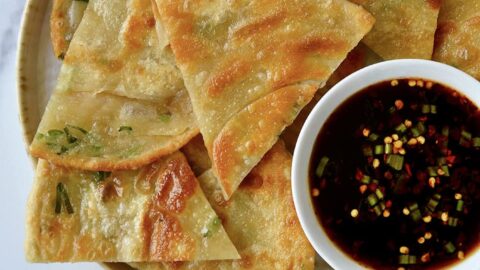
point(403, 28)
point(263, 240)
point(236, 56)
point(457, 40)
point(116, 75)
point(153, 214)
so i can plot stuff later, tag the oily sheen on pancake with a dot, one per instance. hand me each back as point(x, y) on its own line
point(358, 58)
point(264, 240)
point(64, 20)
point(157, 213)
point(457, 40)
point(403, 28)
point(251, 66)
point(120, 102)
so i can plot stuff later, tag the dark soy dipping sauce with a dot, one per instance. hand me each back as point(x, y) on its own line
point(403, 224)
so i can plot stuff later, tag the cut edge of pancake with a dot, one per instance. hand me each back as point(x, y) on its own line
point(163, 214)
point(223, 165)
point(268, 182)
point(230, 165)
point(103, 164)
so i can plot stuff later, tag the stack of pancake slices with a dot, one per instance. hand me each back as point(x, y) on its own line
point(166, 143)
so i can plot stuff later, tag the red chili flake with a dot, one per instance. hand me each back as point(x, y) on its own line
point(450, 159)
point(455, 134)
point(396, 120)
point(417, 189)
point(422, 118)
point(372, 187)
point(388, 204)
point(388, 175)
point(421, 176)
point(323, 183)
point(407, 168)
point(380, 127)
point(431, 130)
point(358, 175)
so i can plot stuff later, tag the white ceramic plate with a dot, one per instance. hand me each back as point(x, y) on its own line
point(37, 74)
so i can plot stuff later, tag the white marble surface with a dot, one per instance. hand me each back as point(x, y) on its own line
point(16, 171)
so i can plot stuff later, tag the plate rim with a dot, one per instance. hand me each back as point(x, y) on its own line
point(21, 76)
point(24, 87)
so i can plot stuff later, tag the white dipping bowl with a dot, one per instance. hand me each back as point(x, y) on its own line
point(389, 70)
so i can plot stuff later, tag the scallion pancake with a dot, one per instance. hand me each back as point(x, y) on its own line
point(64, 20)
point(358, 58)
point(403, 28)
point(157, 213)
point(260, 219)
point(120, 102)
point(251, 66)
point(197, 155)
point(457, 41)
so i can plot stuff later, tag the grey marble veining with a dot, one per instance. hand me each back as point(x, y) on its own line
point(10, 19)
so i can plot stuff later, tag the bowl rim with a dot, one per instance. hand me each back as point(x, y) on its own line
point(383, 71)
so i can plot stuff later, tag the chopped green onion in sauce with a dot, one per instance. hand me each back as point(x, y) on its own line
point(321, 166)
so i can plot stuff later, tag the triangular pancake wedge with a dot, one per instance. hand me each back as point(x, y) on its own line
point(158, 213)
point(251, 66)
point(264, 240)
point(120, 102)
point(64, 20)
point(457, 40)
point(403, 28)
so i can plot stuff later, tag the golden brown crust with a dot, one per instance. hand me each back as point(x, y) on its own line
point(265, 241)
point(435, 4)
point(124, 78)
point(174, 185)
point(64, 20)
point(162, 233)
point(227, 75)
point(458, 36)
point(139, 26)
point(153, 214)
point(260, 25)
point(284, 105)
point(234, 53)
point(358, 58)
point(59, 27)
point(186, 46)
point(403, 28)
